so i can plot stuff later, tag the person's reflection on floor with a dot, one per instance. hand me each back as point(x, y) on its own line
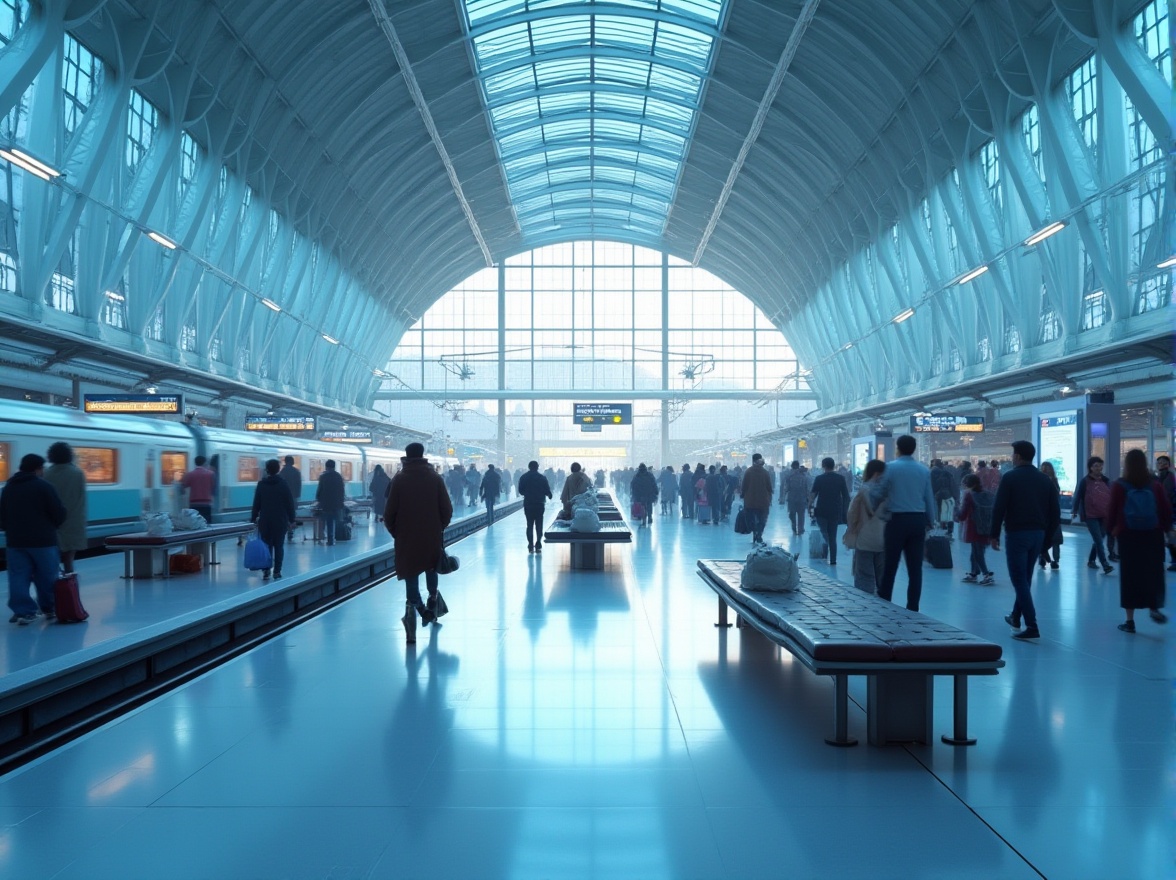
point(534, 603)
point(1028, 757)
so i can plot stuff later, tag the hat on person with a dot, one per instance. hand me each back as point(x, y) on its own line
point(31, 462)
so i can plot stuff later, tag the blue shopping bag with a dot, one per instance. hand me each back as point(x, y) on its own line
point(257, 554)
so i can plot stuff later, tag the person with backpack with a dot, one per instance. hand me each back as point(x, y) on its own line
point(1140, 516)
point(865, 532)
point(1092, 502)
point(975, 515)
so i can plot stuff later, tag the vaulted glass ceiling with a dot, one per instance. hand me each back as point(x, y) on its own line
point(592, 106)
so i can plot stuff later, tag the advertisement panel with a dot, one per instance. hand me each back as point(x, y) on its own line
point(861, 455)
point(602, 413)
point(1057, 443)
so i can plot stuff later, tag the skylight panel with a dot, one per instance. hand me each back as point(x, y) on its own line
point(591, 108)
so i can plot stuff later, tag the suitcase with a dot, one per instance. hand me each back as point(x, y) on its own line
point(818, 549)
point(937, 551)
point(343, 531)
point(67, 600)
point(703, 514)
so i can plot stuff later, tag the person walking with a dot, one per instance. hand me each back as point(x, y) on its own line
point(331, 495)
point(201, 485)
point(669, 490)
point(293, 478)
point(796, 496)
point(70, 483)
point(379, 490)
point(1051, 549)
point(714, 486)
point(1027, 506)
point(30, 515)
point(830, 497)
point(643, 491)
point(416, 516)
point(535, 490)
point(756, 489)
point(906, 484)
point(1167, 481)
point(865, 531)
point(273, 512)
point(975, 515)
point(1092, 504)
point(473, 485)
point(577, 483)
point(489, 490)
point(1140, 516)
point(686, 492)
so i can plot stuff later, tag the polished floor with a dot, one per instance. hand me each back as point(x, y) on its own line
point(595, 724)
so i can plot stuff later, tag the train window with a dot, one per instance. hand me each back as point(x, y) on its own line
point(99, 464)
point(316, 468)
point(248, 469)
point(345, 469)
point(173, 466)
point(5, 455)
point(297, 460)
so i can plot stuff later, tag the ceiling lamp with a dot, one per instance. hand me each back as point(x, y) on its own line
point(1045, 232)
point(975, 273)
point(902, 316)
point(36, 167)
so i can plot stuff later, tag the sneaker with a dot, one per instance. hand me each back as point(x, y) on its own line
point(1025, 634)
point(1107, 569)
point(1158, 616)
point(25, 619)
point(1014, 622)
point(970, 578)
point(1127, 626)
point(987, 581)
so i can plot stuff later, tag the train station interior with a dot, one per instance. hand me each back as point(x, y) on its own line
point(734, 235)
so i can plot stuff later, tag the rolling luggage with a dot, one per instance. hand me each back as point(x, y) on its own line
point(703, 514)
point(637, 510)
point(67, 600)
point(937, 551)
point(741, 526)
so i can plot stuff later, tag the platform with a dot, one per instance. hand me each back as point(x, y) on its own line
point(593, 721)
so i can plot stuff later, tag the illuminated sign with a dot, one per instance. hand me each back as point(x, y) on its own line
point(279, 423)
point(1057, 443)
point(346, 436)
point(602, 413)
point(947, 424)
point(133, 403)
point(583, 452)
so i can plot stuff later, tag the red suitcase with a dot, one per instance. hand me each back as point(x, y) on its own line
point(67, 600)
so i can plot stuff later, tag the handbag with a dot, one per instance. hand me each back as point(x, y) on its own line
point(741, 526)
point(447, 564)
point(257, 554)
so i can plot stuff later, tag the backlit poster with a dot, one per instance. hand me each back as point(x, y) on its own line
point(1057, 443)
point(789, 455)
point(861, 456)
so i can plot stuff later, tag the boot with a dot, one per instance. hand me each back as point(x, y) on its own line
point(409, 621)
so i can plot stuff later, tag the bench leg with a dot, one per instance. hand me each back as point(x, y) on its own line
point(959, 735)
point(841, 735)
point(722, 614)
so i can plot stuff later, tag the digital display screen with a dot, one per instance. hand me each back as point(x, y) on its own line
point(279, 423)
point(134, 404)
point(346, 436)
point(602, 413)
point(861, 456)
point(1057, 443)
point(947, 424)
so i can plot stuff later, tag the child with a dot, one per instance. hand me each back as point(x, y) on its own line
point(976, 512)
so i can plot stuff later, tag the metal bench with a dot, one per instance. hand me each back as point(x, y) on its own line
point(140, 549)
point(835, 629)
point(587, 548)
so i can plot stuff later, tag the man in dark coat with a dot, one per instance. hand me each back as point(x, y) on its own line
point(756, 490)
point(330, 495)
point(535, 490)
point(293, 478)
point(489, 490)
point(686, 492)
point(643, 489)
point(273, 511)
point(830, 504)
point(30, 514)
point(716, 487)
point(416, 516)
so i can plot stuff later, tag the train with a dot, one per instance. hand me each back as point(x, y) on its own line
point(134, 464)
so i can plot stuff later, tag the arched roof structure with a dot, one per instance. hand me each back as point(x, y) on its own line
point(768, 142)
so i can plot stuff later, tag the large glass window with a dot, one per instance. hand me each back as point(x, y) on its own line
point(1083, 88)
point(990, 163)
point(142, 120)
point(81, 77)
point(1153, 34)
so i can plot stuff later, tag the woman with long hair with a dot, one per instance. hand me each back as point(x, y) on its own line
point(1052, 542)
point(1140, 515)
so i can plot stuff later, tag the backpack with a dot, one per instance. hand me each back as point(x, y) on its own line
point(1139, 510)
point(982, 512)
point(771, 569)
point(1098, 499)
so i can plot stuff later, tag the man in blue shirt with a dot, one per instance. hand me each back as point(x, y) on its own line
point(906, 485)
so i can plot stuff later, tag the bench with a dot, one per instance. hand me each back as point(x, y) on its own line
point(587, 548)
point(835, 629)
point(140, 549)
point(309, 516)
